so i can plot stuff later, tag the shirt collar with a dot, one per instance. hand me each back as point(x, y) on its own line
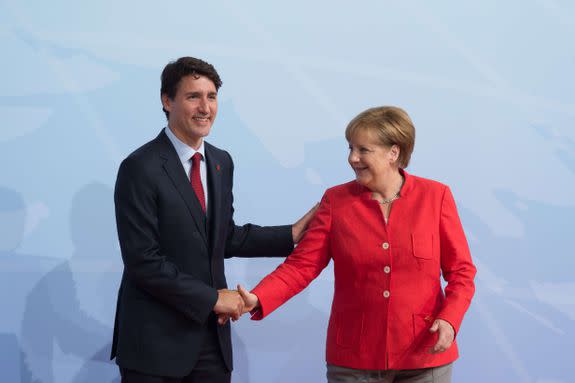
point(184, 151)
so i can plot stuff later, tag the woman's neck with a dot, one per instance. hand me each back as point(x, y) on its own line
point(389, 185)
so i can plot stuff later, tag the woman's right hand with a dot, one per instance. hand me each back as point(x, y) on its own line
point(251, 302)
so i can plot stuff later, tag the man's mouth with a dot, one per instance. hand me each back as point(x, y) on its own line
point(201, 118)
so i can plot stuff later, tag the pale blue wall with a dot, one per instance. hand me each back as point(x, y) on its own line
point(489, 85)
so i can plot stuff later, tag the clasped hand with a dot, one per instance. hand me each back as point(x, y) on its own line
point(234, 303)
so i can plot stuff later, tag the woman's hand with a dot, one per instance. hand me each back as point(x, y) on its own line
point(251, 302)
point(446, 335)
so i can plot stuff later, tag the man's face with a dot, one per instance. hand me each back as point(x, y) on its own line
point(193, 109)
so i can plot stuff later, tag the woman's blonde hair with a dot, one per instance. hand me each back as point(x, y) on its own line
point(391, 125)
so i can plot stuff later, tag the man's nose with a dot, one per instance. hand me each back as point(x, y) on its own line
point(204, 106)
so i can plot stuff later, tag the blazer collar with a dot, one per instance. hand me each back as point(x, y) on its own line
point(407, 187)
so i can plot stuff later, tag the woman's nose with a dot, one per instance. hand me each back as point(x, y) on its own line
point(352, 158)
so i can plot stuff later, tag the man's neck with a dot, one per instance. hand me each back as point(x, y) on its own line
point(192, 143)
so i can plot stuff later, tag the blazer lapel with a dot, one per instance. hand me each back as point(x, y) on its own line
point(176, 173)
point(215, 185)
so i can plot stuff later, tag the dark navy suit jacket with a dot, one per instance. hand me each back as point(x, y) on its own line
point(173, 257)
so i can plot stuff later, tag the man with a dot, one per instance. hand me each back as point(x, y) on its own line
point(175, 224)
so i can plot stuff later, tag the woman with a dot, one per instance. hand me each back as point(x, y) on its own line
point(391, 236)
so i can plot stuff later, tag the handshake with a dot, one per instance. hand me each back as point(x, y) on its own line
point(234, 303)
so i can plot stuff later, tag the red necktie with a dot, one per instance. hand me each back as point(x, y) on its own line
point(196, 180)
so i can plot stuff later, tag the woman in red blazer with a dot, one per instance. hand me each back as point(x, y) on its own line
point(391, 236)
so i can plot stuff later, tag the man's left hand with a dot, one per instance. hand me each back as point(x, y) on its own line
point(298, 229)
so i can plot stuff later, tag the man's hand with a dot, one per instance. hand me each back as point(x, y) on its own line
point(229, 303)
point(446, 336)
point(299, 228)
point(250, 300)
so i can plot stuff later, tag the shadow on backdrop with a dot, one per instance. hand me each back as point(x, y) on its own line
point(18, 274)
point(66, 329)
point(524, 307)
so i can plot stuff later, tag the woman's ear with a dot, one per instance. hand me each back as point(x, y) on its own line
point(394, 153)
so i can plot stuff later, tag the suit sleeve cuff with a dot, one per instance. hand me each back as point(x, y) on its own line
point(200, 313)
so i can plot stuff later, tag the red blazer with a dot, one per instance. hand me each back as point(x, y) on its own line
point(387, 276)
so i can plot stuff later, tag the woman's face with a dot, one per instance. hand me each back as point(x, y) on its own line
point(370, 160)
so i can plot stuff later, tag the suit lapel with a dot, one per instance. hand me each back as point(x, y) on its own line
point(215, 187)
point(179, 178)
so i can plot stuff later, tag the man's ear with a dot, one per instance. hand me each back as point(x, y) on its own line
point(166, 102)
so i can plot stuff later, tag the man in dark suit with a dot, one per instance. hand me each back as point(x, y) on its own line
point(175, 223)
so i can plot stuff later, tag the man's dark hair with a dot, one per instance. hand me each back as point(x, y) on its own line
point(185, 66)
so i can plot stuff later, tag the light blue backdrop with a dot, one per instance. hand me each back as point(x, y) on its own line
point(488, 84)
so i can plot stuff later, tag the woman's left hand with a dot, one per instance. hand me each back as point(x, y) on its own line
point(446, 335)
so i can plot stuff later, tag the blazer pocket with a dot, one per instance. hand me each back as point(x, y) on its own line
point(422, 245)
point(349, 328)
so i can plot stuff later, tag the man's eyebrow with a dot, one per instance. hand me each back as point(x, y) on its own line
point(196, 92)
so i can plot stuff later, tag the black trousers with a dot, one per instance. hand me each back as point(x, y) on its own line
point(210, 366)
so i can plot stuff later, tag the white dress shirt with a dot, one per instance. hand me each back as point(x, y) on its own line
point(185, 154)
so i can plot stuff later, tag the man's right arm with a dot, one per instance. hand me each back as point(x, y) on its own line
point(145, 266)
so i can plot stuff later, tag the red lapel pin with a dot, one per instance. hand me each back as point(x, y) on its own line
point(218, 167)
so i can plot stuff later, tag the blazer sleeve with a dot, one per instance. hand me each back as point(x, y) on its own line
point(252, 240)
point(144, 264)
point(456, 265)
point(307, 261)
